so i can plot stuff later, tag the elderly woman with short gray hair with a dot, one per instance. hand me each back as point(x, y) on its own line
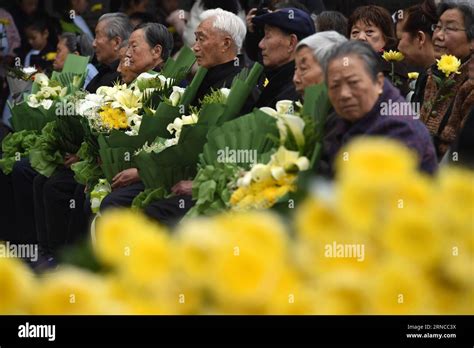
point(368, 105)
point(310, 56)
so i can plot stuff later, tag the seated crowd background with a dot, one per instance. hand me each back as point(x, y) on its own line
point(299, 43)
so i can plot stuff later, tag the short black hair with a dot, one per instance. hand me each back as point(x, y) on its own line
point(158, 34)
point(331, 20)
point(142, 17)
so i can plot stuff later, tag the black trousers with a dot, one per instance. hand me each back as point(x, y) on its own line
point(171, 210)
point(22, 177)
point(62, 201)
point(7, 210)
point(122, 196)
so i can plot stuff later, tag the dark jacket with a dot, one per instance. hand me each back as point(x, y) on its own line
point(445, 111)
point(219, 76)
point(400, 72)
point(280, 86)
point(464, 145)
point(406, 128)
point(40, 60)
point(107, 76)
point(419, 92)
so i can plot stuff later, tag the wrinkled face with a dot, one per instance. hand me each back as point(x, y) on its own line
point(142, 56)
point(450, 35)
point(38, 40)
point(369, 33)
point(61, 54)
point(126, 73)
point(210, 45)
point(276, 47)
point(351, 90)
point(106, 50)
point(307, 70)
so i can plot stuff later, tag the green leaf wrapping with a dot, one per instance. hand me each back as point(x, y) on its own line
point(255, 131)
point(25, 117)
point(14, 147)
point(191, 90)
point(176, 163)
point(58, 138)
point(316, 106)
point(148, 196)
point(44, 154)
point(185, 60)
point(116, 150)
point(87, 171)
point(212, 188)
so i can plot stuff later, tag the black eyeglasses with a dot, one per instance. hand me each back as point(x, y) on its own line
point(446, 29)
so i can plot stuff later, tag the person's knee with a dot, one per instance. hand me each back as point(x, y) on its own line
point(110, 201)
point(22, 168)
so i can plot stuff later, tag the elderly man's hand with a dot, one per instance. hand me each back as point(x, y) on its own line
point(125, 178)
point(184, 187)
point(250, 15)
point(70, 159)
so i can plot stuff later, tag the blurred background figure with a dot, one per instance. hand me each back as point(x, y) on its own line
point(414, 34)
point(310, 57)
point(193, 17)
point(70, 43)
point(331, 20)
point(445, 113)
point(374, 25)
point(130, 7)
point(71, 12)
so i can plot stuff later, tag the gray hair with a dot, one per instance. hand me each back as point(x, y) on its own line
point(158, 34)
point(467, 10)
point(80, 43)
point(229, 23)
point(321, 44)
point(359, 49)
point(118, 25)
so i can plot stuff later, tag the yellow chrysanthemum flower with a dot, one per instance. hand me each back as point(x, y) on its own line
point(246, 266)
point(71, 291)
point(16, 285)
point(397, 287)
point(291, 296)
point(413, 75)
point(341, 293)
point(118, 231)
point(375, 159)
point(262, 194)
point(393, 56)
point(415, 236)
point(113, 118)
point(50, 56)
point(454, 201)
point(448, 64)
point(196, 243)
point(135, 246)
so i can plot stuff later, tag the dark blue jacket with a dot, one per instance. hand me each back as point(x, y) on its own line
point(404, 127)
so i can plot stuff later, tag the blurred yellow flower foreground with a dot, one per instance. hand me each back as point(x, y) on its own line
point(388, 241)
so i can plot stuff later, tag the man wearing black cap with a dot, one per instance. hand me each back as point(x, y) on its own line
point(283, 29)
